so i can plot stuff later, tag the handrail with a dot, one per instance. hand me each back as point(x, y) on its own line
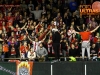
point(37, 58)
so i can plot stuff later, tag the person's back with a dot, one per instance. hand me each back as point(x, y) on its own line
point(85, 35)
point(56, 37)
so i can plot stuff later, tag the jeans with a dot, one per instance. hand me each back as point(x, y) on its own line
point(86, 45)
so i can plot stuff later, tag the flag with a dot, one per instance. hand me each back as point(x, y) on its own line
point(24, 67)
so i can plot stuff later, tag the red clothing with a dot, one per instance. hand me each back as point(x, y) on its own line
point(37, 29)
point(13, 52)
point(73, 40)
point(21, 38)
point(85, 35)
point(53, 26)
point(10, 20)
point(23, 49)
point(41, 37)
point(95, 40)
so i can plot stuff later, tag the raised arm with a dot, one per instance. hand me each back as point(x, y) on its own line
point(76, 32)
point(95, 29)
point(24, 26)
point(1, 39)
point(30, 39)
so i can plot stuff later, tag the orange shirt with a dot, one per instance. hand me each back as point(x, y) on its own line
point(85, 35)
point(5, 48)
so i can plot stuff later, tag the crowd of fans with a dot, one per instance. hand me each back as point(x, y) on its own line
point(26, 28)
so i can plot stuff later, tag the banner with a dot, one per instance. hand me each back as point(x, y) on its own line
point(93, 9)
point(24, 67)
point(9, 5)
point(7, 68)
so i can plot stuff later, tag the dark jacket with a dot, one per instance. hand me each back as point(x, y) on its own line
point(72, 52)
point(63, 46)
point(56, 37)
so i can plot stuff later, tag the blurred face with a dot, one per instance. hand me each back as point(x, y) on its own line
point(66, 14)
point(45, 19)
point(3, 35)
point(83, 25)
point(64, 40)
point(13, 39)
point(17, 26)
point(34, 23)
point(76, 43)
point(20, 16)
point(41, 45)
point(58, 14)
point(65, 31)
point(42, 29)
point(32, 26)
point(72, 23)
point(33, 34)
point(97, 34)
point(93, 19)
point(23, 20)
point(62, 36)
point(64, 25)
point(71, 27)
point(0, 31)
point(73, 46)
point(93, 45)
point(30, 2)
point(31, 49)
point(37, 8)
point(12, 34)
point(52, 22)
point(25, 43)
point(9, 14)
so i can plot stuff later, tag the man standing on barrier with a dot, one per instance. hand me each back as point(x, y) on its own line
point(56, 37)
point(85, 36)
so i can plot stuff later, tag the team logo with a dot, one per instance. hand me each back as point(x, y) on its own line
point(24, 68)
